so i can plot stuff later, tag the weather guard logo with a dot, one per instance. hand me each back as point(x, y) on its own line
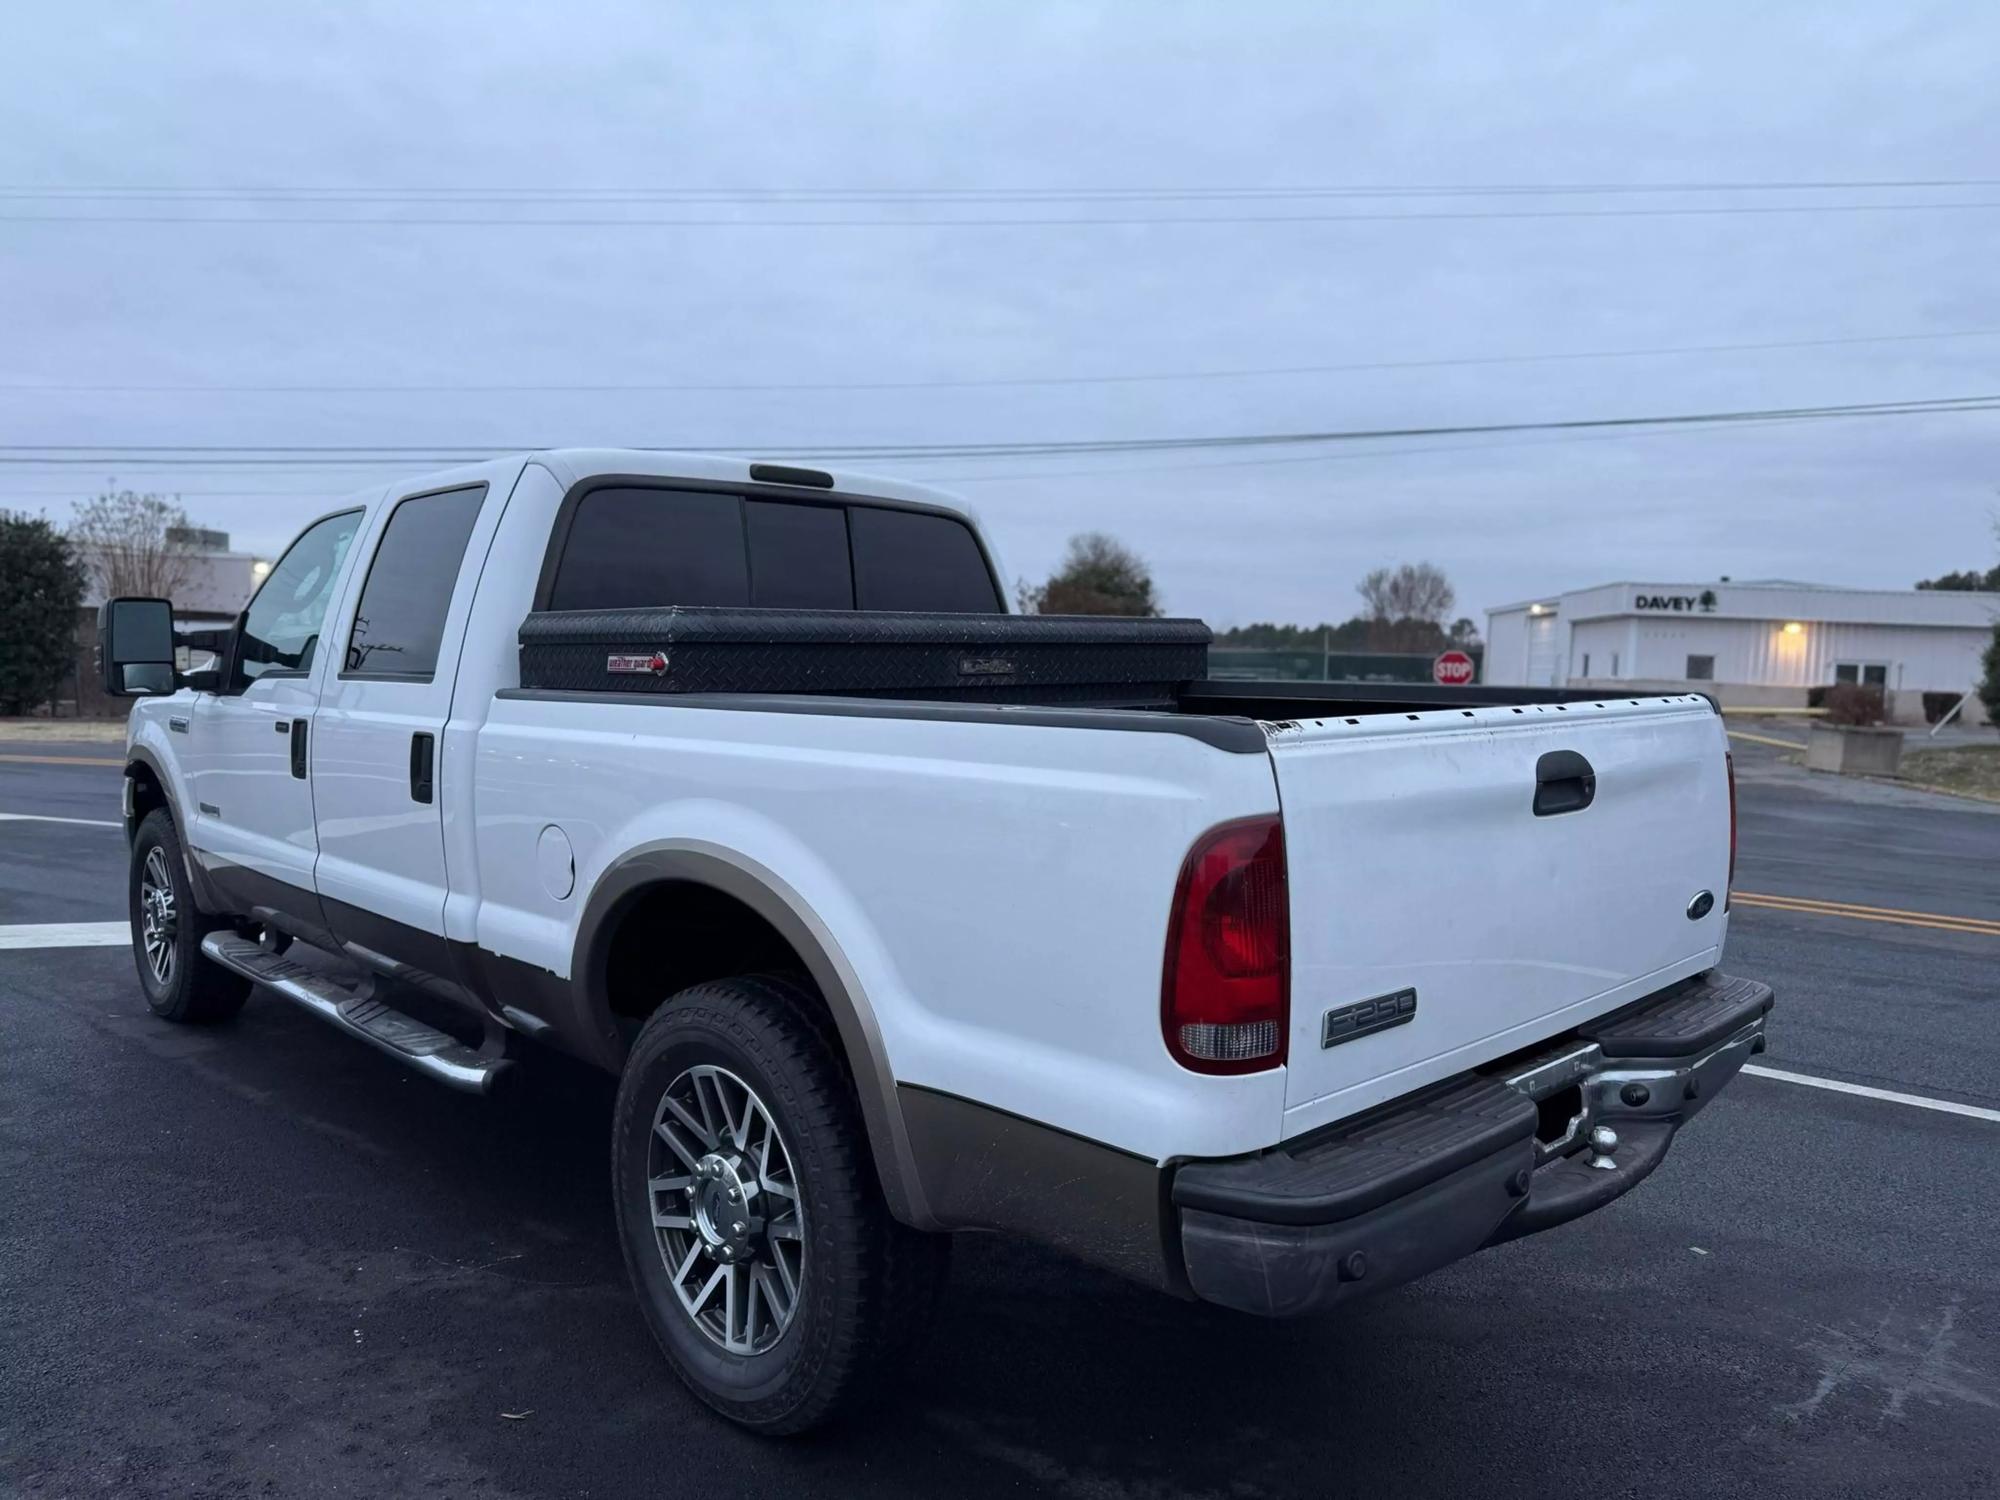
point(654, 662)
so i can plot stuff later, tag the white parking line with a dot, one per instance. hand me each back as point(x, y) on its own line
point(66, 935)
point(44, 818)
point(1915, 1101)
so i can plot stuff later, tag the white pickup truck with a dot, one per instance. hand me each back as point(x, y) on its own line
point(897, 915)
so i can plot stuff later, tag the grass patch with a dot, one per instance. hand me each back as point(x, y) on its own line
point(1971, 769)
point(96, 731)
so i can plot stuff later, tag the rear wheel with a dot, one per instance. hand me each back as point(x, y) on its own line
point(180, 981)
point(767, 1264)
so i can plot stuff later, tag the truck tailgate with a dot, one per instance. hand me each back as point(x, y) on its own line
point(1424, 857)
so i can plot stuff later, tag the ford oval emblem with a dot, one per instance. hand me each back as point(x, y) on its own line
point(1701, 906)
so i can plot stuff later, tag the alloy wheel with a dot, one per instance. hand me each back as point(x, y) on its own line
point(726, 1211)
point(159, 917)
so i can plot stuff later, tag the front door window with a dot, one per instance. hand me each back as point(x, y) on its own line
point(281, 627)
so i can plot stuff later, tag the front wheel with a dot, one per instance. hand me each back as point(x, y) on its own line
point(767, 1264)
point(181, 982)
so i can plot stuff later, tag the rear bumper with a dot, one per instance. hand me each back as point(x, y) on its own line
point(1488, 1157)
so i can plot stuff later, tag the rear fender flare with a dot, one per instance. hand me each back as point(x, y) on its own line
point(772, 898)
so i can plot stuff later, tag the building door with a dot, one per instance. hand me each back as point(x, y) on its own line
point(1544, 661)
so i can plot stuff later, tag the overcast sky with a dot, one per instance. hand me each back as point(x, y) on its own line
point(439, 102)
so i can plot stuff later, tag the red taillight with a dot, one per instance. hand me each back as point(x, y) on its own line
point(1225, 1003)
point(1730, 761)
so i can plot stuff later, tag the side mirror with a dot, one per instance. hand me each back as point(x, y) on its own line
point(135, 647)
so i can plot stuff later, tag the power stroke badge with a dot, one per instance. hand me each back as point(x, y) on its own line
point(1365, 1017)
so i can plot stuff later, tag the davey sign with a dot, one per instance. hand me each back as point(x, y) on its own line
point(1453, 669)
point(1683, 604)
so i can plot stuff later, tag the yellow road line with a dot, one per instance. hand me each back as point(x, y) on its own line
point(1805, 906)
point(1887, 911)
point(1765, 739)
point(65, 760)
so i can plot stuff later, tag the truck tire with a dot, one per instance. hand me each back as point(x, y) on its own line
point(181, 983)
point(766, 1262)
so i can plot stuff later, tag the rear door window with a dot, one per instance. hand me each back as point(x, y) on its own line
point(909, 560)
point(400, 621)
point(641, 548)
point(798, 556)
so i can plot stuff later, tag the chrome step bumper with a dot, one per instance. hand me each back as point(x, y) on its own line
point(1485, 1158)
point(360, 1013)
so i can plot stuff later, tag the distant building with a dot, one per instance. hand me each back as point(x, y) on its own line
point(1766, 643)
point(219, 583)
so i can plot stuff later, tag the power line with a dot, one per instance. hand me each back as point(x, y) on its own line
point(607, 387)
point(1368, 454)
point(571, 192)
point(1010, 222)
point(353, 456)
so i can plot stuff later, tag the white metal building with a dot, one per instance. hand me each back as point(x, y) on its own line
point(1763, 643)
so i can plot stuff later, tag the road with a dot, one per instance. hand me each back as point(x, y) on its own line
point(266, 1260)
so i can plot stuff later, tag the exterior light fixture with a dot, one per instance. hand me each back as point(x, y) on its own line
point(1793, 627)
point(259, 568)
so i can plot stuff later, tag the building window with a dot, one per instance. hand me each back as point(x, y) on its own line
point(1867, 673)
point(1701, 669)
point(1586, 664)
point(1614, 664)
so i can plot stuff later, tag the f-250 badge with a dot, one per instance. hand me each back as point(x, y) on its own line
point(1366, 1017)
point(656, 663)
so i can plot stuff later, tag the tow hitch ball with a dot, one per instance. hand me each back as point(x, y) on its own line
point(1603, 1141)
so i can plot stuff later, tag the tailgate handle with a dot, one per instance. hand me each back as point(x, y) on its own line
point(1564, 783)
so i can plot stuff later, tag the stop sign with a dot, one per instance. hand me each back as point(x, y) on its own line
point(1453, 669)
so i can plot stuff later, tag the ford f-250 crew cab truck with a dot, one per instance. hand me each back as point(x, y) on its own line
point(895, 914)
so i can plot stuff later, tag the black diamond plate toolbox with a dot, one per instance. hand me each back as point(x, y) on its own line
point(856, 653)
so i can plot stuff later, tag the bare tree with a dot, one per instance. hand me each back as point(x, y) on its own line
point(1414, 591)
point(136, 544)
point(1099, 575)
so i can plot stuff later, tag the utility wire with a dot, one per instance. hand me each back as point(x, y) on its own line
point(1363, 456)
point(607, 387)
point(302, 455)
point(991, 222)
point(490, 193)
point(1366, 454)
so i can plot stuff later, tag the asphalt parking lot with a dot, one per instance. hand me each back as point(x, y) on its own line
point(266, 1260)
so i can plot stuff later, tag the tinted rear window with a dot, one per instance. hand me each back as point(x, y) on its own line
point(634, 548)
point(911, 560)
point(798, 556)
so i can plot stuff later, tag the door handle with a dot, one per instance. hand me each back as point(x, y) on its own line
point(1564, 783)
point(423, 766)
point(299, 748)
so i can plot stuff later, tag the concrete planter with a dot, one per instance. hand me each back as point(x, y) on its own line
point(1854, 752)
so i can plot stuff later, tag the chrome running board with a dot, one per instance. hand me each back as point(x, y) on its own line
point(359, 1013)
